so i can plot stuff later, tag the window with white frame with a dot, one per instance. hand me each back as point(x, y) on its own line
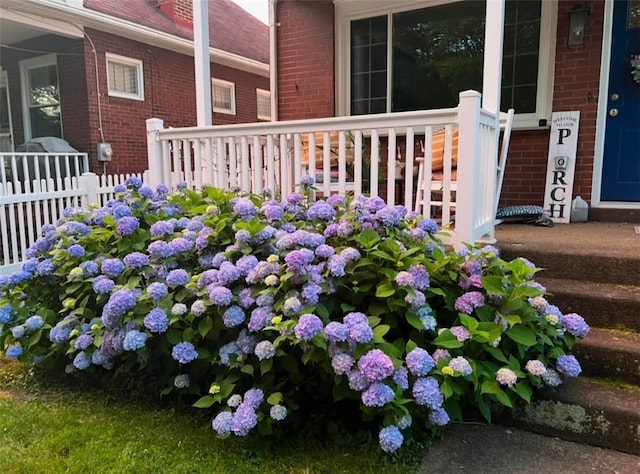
point(125, 77)
point(409, 55)
point(224, 96)
point(42, 115)
point(264, 104)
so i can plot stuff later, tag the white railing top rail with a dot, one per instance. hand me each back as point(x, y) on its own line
point(399, 120)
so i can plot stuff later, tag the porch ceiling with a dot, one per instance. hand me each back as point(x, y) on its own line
point(12, 32)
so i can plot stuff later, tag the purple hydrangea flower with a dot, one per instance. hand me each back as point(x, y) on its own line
point(184, 352)
point(419, 362)
point(112, 267)
point(160, 228)
point(390, 438)
point(220, 296)
point(245, 208)
point(221, 424)
point(134, 340)
point(375, 365)
point(337, 263)
point(420, 277)
point(535, 367)
point(469, 301)
point(83, 341)
point(244, 420)
point(260, 318)
point(198, 308)
point(377, 394)
point(180, 245)
point(568, 365)
point(298, 260)
point(404, 279)
point(103, 285)
point(136, 260)
point(461, 333)
point(245, 264)
point(336, 332)
point(177, 277)
point(439, 417)
point(325, 251)
point(357, 381)
point(426, 391)
point(321, 210)
point(401, 377)
point(575, 324)
point(361, 333)
point(309, 325)
point(156, 321)
point(127, 225)
point(233, 316)
point(254, 397)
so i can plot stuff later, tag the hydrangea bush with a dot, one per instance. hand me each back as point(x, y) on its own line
point(263, 310)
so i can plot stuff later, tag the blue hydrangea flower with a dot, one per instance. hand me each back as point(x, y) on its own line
point(17, 331)
point(390, 439)
point(180, 245)
point(428, 225)
point(157, 290)
point(5, 314)
point(226, 351)
point(184, 352)
point(375, 365)
point(84, 341)
point(136, 260)
point(76, 250)
point(401, 377)
point(337, 264)
point(260, 318)
point(90, 268)
point(46, 267)
point(551, 378)
point(321, 210)
point(336, 332)
point(309, 325)
point(160, 228)
point(112, 267)
point(33, 323)
point(245, 208)
point(133, 182)
point(568, 365)
point(419, 362)
point(82, 361)
point(426, 391)
point(233, 316)
point(127, 225)
point(221, 424)
point(265, 350)
point(177, 277)
point(157, 321)
point(575, 324)
point(103, 285)
point(134, 340)
point(439, 417)
point(377, 395)
point(13, 352)
point(361, 333)
point(60, 333)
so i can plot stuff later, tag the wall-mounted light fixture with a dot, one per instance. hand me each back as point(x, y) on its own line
point(578, 18)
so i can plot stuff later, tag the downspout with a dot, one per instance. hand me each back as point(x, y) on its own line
point(273, 60)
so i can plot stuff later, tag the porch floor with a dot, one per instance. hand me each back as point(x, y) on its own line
point(614, 239)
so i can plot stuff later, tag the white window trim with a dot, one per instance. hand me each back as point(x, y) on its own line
point(226, 84)
point(117, 59)
point(25, 66)
point(265, 94)
point(346, 11)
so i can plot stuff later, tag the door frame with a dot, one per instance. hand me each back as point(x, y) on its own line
point(4, 82)
point(601, 119)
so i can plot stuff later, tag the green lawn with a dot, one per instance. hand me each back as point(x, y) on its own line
point(54, 430)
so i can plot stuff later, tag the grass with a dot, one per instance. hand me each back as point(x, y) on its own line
point(53, 429)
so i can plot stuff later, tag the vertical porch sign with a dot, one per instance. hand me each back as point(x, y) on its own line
point(561, 165)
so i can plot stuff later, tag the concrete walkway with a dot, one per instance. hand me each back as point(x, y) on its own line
point(492, 449)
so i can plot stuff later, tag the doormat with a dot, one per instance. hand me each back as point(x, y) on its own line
point(637, 229)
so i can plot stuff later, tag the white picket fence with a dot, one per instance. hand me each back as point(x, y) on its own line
point(36, 188)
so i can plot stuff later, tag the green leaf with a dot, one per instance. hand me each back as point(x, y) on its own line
point(205, 326)
point(522, 335)
point(382, 255)
point(274, 398)
point(204, 402)
point(484, 410)
point(447, 340)
point(266, 365)
point(492, 284)
point(247, 369)
point(447, 391)
point(496, 353)
point(379, 332)
point(322, 311)
point(410, 346)
point(385, 290)
point(512, 319)
point(414, 320)
point(490, 386)
point(524, 390)
point(470, 323)
point(503, 398)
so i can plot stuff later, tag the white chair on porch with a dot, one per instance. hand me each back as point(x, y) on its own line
point(438, 187)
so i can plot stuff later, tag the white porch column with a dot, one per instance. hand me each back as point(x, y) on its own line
point(493, 41)
point(201, 61)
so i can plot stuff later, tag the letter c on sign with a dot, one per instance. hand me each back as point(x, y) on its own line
point(553, 194)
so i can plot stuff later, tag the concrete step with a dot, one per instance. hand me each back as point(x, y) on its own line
point(560, 263)
point(583, 410)
point(604, 305)
point(610, 354)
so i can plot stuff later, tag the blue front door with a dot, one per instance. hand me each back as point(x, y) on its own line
point(621, 163)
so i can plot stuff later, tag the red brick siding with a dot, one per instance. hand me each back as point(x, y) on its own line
point(305, 44)
point(576, 87)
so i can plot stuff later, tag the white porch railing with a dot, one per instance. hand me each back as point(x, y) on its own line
point(348, 153)
point(35, 189)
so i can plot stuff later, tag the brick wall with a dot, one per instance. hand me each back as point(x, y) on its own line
point(576, 87)
point(169, 90)
point(305, 59)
